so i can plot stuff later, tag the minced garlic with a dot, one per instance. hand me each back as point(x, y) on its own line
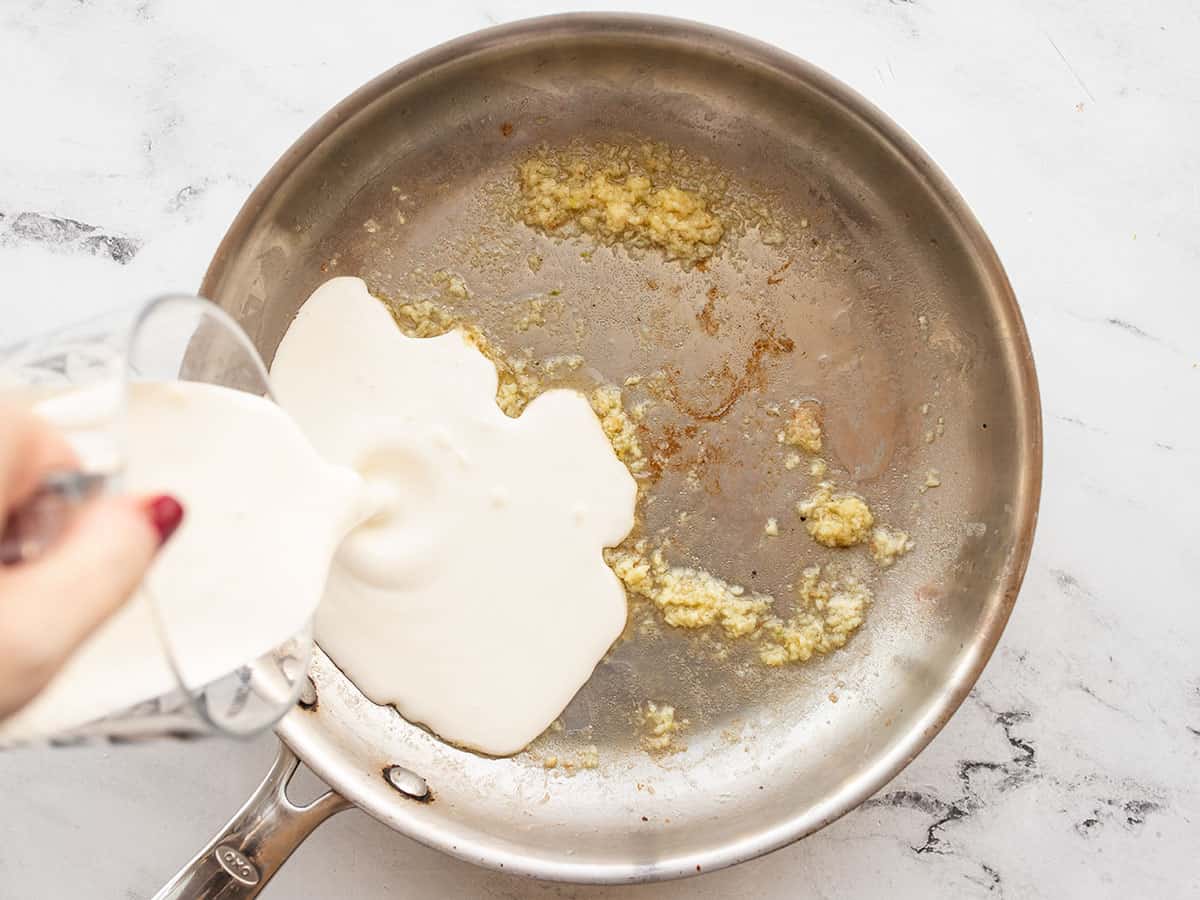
point(687, 598)
point(932, 479)
point(836, 520)
point(422, 318)
point(618, 427)
point(792, 460)
point(452, 284)
point(771, 529)
point(829, 612)
point(638, 411)
point(516, 386)
point(804, 428)
point(618, 199)
point(888, 545)
point(537, 311)
point(553, 365)
point(586, 758)
point(661, 728)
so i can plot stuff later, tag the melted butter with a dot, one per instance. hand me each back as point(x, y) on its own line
point(476, 600)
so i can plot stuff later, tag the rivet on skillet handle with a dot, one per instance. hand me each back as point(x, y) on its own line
point(243, 856)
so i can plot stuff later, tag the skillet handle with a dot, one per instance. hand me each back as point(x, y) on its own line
point(241, 859)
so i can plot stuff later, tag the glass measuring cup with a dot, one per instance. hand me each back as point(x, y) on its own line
point(79, 378)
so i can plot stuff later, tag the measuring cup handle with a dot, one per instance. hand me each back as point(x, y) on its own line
point(248, 851)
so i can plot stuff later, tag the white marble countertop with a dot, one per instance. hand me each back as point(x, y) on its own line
point(1073, 130)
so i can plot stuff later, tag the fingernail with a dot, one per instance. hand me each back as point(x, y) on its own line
point(165, 514)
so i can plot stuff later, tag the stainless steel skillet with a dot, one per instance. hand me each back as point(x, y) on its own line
point(886, 302)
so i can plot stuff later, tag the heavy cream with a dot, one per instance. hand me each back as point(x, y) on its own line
point(476, 599)
point(264, 516)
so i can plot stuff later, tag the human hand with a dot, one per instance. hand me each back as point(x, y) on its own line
point(50, 605)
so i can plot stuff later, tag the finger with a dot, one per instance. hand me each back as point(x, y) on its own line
point(30, 449)
point(49, 607)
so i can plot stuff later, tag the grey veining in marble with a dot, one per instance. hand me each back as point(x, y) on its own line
point(68, 236)
point(133, 131)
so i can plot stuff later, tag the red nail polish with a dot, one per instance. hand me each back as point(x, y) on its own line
point(165, 513)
